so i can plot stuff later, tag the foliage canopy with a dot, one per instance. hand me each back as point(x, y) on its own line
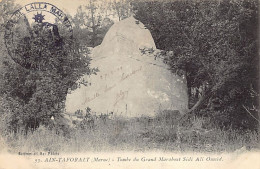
point(214, 45)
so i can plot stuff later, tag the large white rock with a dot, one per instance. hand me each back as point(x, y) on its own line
point(129, 83)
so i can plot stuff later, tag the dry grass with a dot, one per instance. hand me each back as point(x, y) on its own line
point(139, 134)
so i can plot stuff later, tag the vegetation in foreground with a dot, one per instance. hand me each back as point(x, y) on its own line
point(213, 43)
point(137, 134)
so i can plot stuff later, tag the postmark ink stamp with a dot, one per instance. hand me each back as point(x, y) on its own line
point(34, 20)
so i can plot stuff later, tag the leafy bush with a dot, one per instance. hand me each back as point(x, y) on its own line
point(37, 90)
point(214, 45)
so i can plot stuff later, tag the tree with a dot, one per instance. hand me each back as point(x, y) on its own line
point(89, 19)
point(215, 47)
point(35, 89)
point(7, 7)
point(122, 8)
point(91, 25)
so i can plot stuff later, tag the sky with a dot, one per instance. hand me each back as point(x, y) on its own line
point(67, 6)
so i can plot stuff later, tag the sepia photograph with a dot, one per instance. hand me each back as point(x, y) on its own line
point(129, 84)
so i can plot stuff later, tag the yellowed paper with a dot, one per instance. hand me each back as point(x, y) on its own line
point(115, 93)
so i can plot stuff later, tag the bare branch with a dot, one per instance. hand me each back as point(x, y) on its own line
point(250, 114)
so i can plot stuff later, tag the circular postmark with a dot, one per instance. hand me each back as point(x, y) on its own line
point(31, 28)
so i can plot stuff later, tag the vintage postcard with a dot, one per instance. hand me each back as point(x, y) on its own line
point(129, 84)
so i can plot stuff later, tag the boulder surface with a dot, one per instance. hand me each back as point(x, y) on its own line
point(129, 83)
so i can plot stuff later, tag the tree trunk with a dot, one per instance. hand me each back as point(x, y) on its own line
point(205, 96)
point(202, 100)
point(92, 10)
point(197, 94)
